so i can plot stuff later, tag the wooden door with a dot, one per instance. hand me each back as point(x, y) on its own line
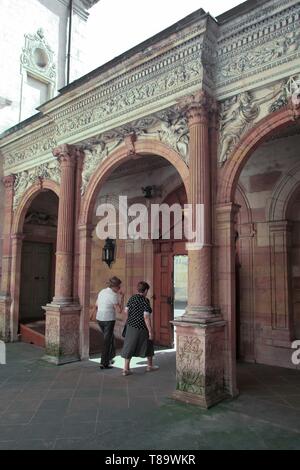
point(35, 280)
point(163, 298)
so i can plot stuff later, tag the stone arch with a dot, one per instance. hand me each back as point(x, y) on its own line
point(119, 156)
point(27, 198)
point(283, 193)
point(17, 239)
point(230, 173)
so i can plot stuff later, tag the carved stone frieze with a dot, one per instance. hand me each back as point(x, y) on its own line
point(240, 113)
point(169, 127)
point(261, 56)
point(27, 178)
point(258, 41)
point(291, 89)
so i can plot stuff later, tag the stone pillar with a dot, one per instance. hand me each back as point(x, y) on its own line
point(78, 184)
point(282, 321)
point(63, 314)
point(225, 279)
point(84, 285)
point(17, 243)
point(200, 332)
point(5, 294)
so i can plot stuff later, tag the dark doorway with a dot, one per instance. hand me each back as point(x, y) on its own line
point(36, 280)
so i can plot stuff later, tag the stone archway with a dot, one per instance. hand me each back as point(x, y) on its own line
point(142, 149)
point(226, 211)
point(17, 241)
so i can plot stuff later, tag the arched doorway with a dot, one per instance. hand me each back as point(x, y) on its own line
point(154, 165)
point(170, 281)
point(33, 261)
point(264, 156)
point(293, 216)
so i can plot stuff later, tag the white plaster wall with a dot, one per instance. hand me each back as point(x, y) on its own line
point(20, 17)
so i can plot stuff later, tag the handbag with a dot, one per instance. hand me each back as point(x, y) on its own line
point(124, 330)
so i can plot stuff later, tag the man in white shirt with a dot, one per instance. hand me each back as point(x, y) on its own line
point(110, 302)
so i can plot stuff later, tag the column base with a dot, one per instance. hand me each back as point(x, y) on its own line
point(62, 333)
point(200, 366)
point(202, 315)
point(202, 402)
point(5, 330)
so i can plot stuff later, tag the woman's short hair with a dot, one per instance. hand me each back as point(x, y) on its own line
point(142, 287)
point(114, 282)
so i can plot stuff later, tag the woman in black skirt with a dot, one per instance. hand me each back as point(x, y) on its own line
point(139, 336)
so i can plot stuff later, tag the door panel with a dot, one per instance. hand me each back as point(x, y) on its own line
point(163, 309)
point(35, 279)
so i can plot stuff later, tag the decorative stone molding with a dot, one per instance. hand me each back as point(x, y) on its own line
point(169, 127)
point(239, 114)
point(93, 158)
point(260, 40)
point(38, 58)
point(247, 54)
point(27, 178)
point(291, 89)
point(263, 55)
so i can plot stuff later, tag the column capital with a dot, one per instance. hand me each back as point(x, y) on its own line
point(197, 107)
point(67, 155)
point(9, 181)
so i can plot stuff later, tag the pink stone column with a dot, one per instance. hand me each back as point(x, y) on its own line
point(84, 282)
point(5, 295)
point(67, 157)
point(200, 332)
point(17, 242)
point(63, 314)
point(198, 110)
point(78, 184)
point(282, 321)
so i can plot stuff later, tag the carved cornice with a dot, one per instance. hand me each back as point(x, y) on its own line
point(268, 38)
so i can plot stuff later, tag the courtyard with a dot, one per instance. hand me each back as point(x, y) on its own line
point(78, 406)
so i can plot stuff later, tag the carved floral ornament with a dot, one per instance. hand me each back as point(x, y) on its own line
point(278, 48)
point(153, 83)
point(169, 127)
point(239, 114)
point(25, 179)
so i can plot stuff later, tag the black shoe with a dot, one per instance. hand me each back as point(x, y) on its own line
point(105, 367)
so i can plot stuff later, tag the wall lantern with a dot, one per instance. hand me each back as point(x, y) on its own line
point(109, 251)
point(148, 192)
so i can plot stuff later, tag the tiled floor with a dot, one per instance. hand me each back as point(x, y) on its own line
point(77, 406)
